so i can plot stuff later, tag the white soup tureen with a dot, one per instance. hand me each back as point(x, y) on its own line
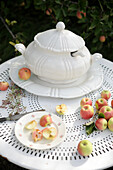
point(58, 56)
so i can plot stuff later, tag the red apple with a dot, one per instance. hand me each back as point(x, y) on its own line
point(100, 102)
point(85, 101)
point(105, 94)
point(24, 73)
point(49, 11)
point(37, 135)
point(102, 38)
point(61, 109)
point(45, 120)
point(110, 124)
point(4, 85)
point(101, 124)
point(112, 103)
point(87, 112)
point(85, 147)
point(49, 133)
point(78, 14)
point(107, 111)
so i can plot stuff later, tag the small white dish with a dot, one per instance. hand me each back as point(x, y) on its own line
point(92, 81)
point(24, 135)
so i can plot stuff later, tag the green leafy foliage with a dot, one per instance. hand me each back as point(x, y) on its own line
point(26, 18)
point(101, 115)
point(90, 127)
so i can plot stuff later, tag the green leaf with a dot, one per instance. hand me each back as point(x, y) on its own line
point(58, 13)
point(101, 115)
point(105, 17)
point(13, 22)
point(7, 21)
point(58, 2)
point(83, 4)
point(12, 43)
point(93, 25)
point(72, 7)
point(64, 12)
point(90, 127)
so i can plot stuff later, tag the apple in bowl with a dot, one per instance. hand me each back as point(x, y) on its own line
point(100, 102)
point(85, 147)
point(31, 125)
point(106, 111)
point(24, 73)
point(105, 94)
point(37, 135)
point(49, 133)
point(45, 120)
point(85, 101)
point(87, 112)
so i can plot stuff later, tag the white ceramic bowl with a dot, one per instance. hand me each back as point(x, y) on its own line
point(58, 56)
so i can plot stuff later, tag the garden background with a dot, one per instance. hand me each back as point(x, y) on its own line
point(21, 20)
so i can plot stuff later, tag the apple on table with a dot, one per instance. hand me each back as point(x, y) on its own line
point(100, 102)
point(61, 109)
point(110, 124)
point(86, 112)
point(85, 101)
point(106, 111)
point(85, 147)
point(112, 103)
point(4, 85)
point(106, 94)
point(101, 123)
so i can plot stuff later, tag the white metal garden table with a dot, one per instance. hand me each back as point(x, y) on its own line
point(65, 155)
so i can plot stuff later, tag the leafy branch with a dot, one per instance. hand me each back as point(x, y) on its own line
point(4, 23)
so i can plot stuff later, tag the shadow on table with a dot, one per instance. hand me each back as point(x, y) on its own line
point(6, 165)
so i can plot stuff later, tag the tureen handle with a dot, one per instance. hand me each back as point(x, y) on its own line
point(75, 54)
point(21, 48)
point(96, 57)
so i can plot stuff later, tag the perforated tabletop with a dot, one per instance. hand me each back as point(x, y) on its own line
point(65, 155)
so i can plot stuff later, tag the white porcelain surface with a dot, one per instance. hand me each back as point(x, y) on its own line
point(64, 156)
point(92, 81)
point(25, 137)
point(59, 39)
point(58, 55)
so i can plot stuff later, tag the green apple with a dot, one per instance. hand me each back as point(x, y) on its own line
point(85, 147)
point(110, 124)
point(105, 94)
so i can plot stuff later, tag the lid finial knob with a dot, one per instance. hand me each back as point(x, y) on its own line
point(60, 26)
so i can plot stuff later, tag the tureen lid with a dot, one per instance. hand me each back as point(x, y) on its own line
point(59, 39)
